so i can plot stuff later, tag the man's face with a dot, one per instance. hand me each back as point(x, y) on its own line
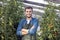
point(28, 13)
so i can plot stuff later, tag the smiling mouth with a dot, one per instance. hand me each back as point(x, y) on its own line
point(29, 17)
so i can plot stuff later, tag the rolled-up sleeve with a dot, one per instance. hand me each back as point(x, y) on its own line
point(33, 30)
point(18, 32)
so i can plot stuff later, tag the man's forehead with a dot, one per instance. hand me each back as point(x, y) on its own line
point(28, 9)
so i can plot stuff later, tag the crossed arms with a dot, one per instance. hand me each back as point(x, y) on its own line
point(32, 30)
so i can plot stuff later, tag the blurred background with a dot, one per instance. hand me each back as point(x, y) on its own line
point(46, 11)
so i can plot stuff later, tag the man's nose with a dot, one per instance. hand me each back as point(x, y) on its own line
point(29, 12)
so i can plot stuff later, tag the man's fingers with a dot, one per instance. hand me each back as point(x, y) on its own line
point(24, 29)
point(24, 33)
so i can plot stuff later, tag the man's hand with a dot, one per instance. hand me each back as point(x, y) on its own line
point(24, 31)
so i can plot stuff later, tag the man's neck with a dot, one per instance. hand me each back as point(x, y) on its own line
point(29, 18)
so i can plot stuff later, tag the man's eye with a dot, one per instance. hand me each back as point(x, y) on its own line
point(28, 11)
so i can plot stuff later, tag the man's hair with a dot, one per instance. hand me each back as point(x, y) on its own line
point(29, 7)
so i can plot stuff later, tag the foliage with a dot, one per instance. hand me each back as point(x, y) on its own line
point(10, 14)
point(50, 24)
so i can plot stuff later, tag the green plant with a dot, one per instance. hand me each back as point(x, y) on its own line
point(50, 24)
point(10, 14)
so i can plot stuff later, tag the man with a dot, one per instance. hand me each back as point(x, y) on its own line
point(28, 26)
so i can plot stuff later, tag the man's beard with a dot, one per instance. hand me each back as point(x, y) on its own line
point(29, 17)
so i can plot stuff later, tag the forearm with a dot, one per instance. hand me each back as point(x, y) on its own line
point(19, 33)
point(33, 30)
